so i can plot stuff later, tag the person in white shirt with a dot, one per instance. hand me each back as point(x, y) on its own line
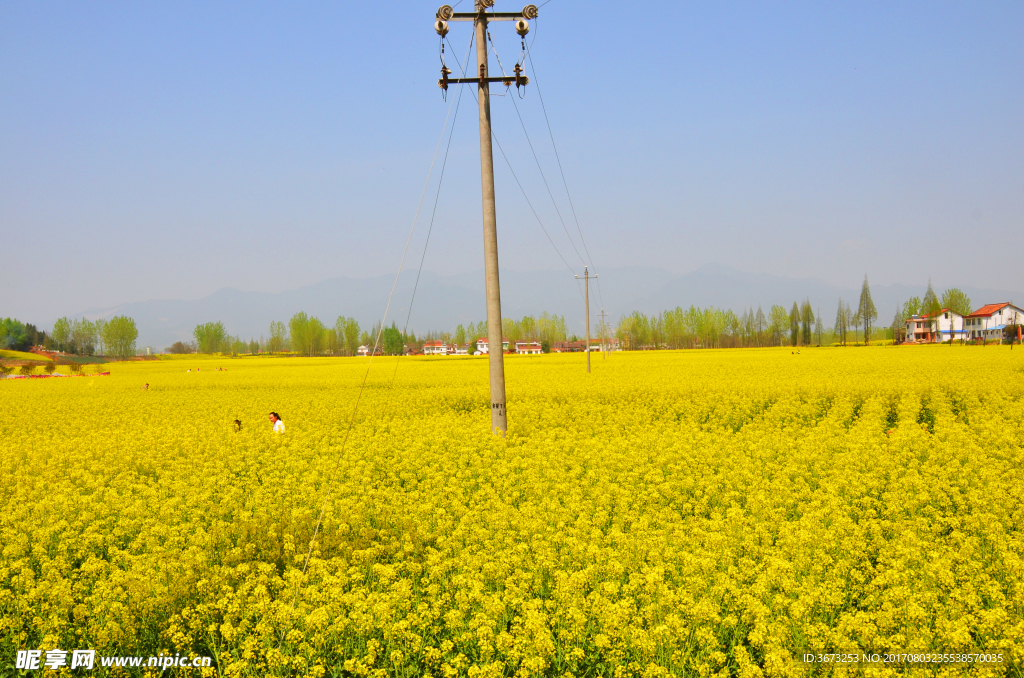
point(276, 421)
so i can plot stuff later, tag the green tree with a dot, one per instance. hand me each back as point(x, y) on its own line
point(818, 328)
point(332, 342)
point(911, 307)
point(278, 337)
point(307, 334)
point(760, 326)
point(211, 337)
point(460, 335)
point(550, 328)
point(866, 310)
point(83, 336)
point(351, 336)
point(13, 335)
point(317, 339)
point(806, 320)
point(842, 322)
point(391, 340)
point(932, 307)
point(794, 324)
point(298, 329)
point(899, 325)
point(100, 325)
point(61, 334)
point(957, 302)
point(120, 335)
point(778, 321)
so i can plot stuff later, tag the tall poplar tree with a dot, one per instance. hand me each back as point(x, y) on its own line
point(866, 310)
point(842, 322)
point(794, 324)
point(931, 306)
point(806, 318)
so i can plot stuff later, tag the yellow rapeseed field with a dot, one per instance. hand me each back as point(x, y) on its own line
point(670, 514)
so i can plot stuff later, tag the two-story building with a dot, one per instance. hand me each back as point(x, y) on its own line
point(989, 321)
point(435, 348)
point(944, 326)
point(528, 347)
point(481, 345)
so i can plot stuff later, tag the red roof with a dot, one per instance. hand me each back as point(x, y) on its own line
point(988, 309)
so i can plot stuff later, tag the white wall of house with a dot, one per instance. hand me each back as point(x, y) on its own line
point(992, 326)
point(922, 328)
point(435, 348)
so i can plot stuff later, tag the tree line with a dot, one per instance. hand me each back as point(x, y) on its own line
point(309, 336)
point(115, 337)
point(800, 325)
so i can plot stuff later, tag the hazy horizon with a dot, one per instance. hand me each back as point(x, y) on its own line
point(169, 151)
point(444, 301)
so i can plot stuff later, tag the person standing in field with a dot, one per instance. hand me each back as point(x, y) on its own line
point(276, 421)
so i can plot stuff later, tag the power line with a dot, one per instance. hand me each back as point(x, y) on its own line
point(366, 374)
point(547, 120)
point(433, 213)
point(541, 169)
point(525, 196)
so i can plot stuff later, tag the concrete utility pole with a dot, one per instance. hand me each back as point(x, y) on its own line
point(586, 285)
point(604, 333)
point(480, 17)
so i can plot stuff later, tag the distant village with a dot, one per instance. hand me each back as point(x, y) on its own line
point(480, 346)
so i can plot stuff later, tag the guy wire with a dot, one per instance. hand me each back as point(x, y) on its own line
point(433, 214)
point(366, 374)
point(536, 80)
point(526, 197)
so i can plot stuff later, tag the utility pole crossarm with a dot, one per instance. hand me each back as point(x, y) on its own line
point(491, 16)
point(505, 80)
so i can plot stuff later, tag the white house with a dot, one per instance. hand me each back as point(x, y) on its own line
point(363, 350)
point(989, 321)
point(481, 345)
point(435, 348)
point(460, 349)
point(528, 347)
point(948, 324)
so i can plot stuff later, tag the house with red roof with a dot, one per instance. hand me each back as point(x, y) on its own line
point(481, 345)
point(436, 348)
point(529, 347)
point(989, 321)
point(945, 325)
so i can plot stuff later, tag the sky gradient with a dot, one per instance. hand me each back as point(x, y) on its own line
point(167, 150)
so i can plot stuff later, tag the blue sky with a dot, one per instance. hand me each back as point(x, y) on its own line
point(166, 150)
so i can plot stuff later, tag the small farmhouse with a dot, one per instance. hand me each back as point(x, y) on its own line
point(989, 321)
point(945, 324)
point(481, 345)
point(528, 347)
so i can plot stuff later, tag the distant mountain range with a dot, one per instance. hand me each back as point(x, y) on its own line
point(442, 302)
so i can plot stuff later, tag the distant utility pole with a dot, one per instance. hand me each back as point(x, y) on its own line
point(586, 285)
point(480, 17)
point(604, 332)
